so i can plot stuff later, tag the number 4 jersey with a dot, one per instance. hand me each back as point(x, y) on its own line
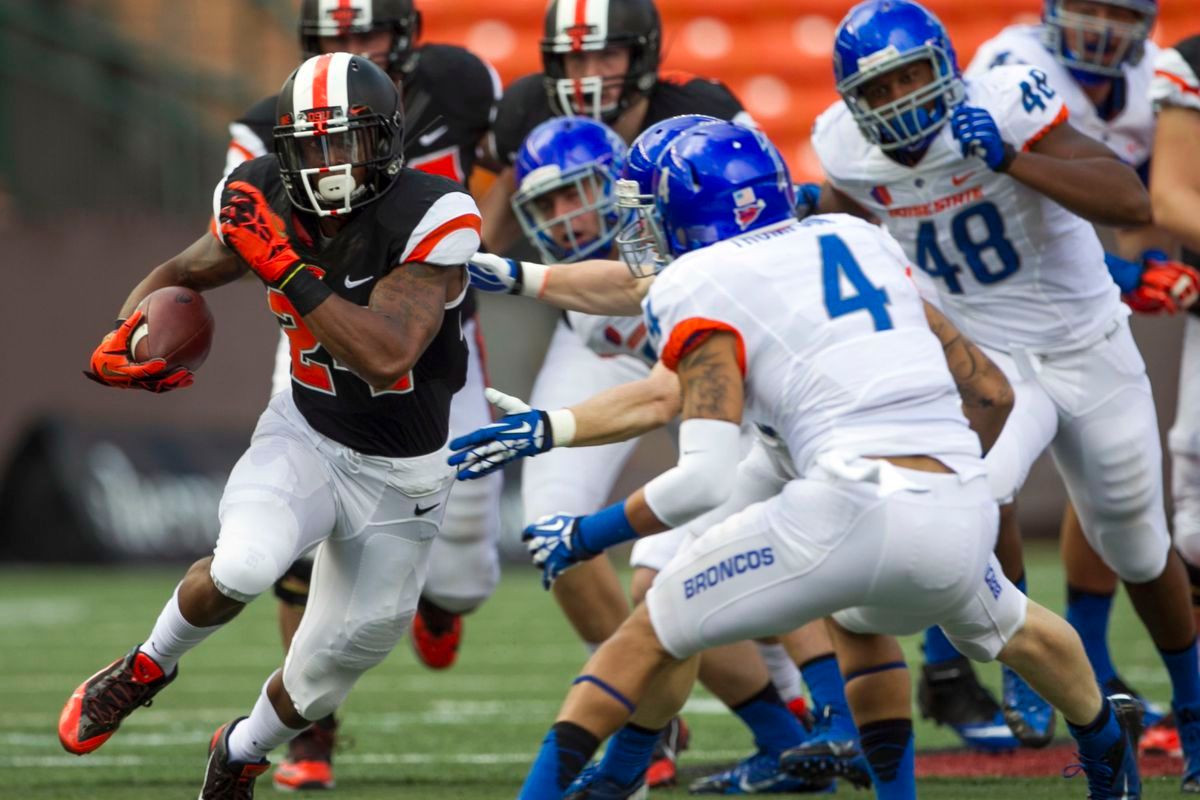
point(832, 339)
point(1013, 267)
point(420, 218)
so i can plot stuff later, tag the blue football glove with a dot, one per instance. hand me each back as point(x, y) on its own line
point(978, 135)
point(492, 273)
point(807, 197)
point(521, 433)
point(555, 546)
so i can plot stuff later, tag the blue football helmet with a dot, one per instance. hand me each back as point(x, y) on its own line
point(718, 181)
point(1093, 48)
point(637, 242)
point(878, 36)
point(569, 155)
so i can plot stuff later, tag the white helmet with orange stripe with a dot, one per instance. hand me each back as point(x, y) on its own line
point(340, 134)
point(574, 28)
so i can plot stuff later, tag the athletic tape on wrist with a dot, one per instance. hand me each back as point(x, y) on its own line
point(562, 427)
point(533, 278)
point(304, 290)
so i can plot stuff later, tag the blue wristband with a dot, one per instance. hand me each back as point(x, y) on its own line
point(1126, 274)
point(597, 532)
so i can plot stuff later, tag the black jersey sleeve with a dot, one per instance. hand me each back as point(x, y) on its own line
point(523, 106)
point(683, 93)
point(429, 218)
point(1177, 75)
point(467, 88)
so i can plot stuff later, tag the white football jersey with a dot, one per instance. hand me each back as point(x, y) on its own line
point(613, 336)
point(1013, 267)
point(1130, 133)
point(1177, 79)
point(835, 346)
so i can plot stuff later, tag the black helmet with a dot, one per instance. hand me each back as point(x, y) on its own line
point(338, 113)
point(574, 26)
point(324, 18)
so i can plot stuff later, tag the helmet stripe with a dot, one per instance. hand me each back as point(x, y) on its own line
point(596, 15)
point(302, 86)
point(338, 80)
point(320, 81)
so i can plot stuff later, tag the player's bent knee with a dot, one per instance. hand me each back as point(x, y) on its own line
point(292, 588)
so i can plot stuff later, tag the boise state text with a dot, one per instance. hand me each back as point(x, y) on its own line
point(728, 568)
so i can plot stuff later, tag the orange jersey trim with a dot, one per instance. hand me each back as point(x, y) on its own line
point(676, 77)
point(1173, 78)
point(434, 237)
point(693, 332)
point(241, 150)
point(1037, 137)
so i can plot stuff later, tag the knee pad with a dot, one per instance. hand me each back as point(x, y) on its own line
point(292, 588)
point(246, 561)
point(1128, 523)
point(462, 575)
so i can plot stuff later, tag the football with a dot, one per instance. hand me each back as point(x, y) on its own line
point(177, 326)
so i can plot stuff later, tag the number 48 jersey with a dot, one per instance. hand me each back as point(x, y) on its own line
point(1013, 267)
point(832, 339)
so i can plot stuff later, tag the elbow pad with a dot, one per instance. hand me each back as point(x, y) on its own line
point(702, 480)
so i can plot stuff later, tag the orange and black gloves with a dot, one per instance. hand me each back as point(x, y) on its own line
point(252, 229)
point(1156, 285)
point(111, 364)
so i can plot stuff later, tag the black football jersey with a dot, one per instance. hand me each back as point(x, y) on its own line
point(420, 218)
point(450, 99)
point(524, 106)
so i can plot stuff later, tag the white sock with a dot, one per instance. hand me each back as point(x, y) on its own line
point(784, 673)
point(260, 733)
point(173, 636)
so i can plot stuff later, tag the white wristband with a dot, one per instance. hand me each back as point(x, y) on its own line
point(533, 278)
point(562, 426)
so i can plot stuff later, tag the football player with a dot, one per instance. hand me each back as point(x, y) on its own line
point(991, 192)
point(879, 450)
point(1174, 191)
point(362, 260)
point(568, 169)
point(449, 99)
point(1098, 56)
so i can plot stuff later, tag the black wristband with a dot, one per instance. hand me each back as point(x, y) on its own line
point(304, 289)
point(1010, 155)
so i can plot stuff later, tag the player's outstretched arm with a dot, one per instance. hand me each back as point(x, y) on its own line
point(593, 287)
point(713, 390)
point(615, 415)
point(835, 201)
point(1175, 174)
point(987, 396)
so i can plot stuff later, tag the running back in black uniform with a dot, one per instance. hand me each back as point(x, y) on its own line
point(420, 218)
point(525, 105)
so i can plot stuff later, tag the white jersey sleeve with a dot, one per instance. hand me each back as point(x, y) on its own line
point(613, 336)
point(1023, 103)
point(1177, 76)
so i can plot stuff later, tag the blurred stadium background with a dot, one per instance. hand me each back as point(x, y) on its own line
point(114, 128)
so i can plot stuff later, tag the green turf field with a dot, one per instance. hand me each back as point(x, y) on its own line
point(466, 733)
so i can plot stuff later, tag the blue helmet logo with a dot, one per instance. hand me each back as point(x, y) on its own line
point(879, 36)
point(566, 172)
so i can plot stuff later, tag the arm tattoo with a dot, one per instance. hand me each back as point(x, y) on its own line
point(414, 295)
point(980, 382)
point(711, 381)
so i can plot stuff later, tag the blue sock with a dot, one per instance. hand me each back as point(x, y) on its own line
point(774, 726)
point(1099, 735)
point(938, 649)
point(1184, 669)
point(1088, 614)
point(824, 681)
point(564, 752)
point(888, 746)
point(629, 753)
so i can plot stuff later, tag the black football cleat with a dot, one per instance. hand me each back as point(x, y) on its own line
point(225, 779)
point(950, 694)
point(98, 706)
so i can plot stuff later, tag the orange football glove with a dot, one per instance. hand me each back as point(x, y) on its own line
point(111, 365)
point(256, 233)
point(1166, 287)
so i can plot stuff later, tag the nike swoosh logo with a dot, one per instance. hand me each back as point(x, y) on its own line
point(525, 428)
point(433, 136)
point(958, 180)
point(420, 512)
point(351, 284)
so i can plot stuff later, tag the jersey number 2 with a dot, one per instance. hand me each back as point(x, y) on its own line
point(837, 263)
point(306, 369)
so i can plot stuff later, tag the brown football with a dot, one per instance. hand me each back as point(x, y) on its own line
point(177, 326)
